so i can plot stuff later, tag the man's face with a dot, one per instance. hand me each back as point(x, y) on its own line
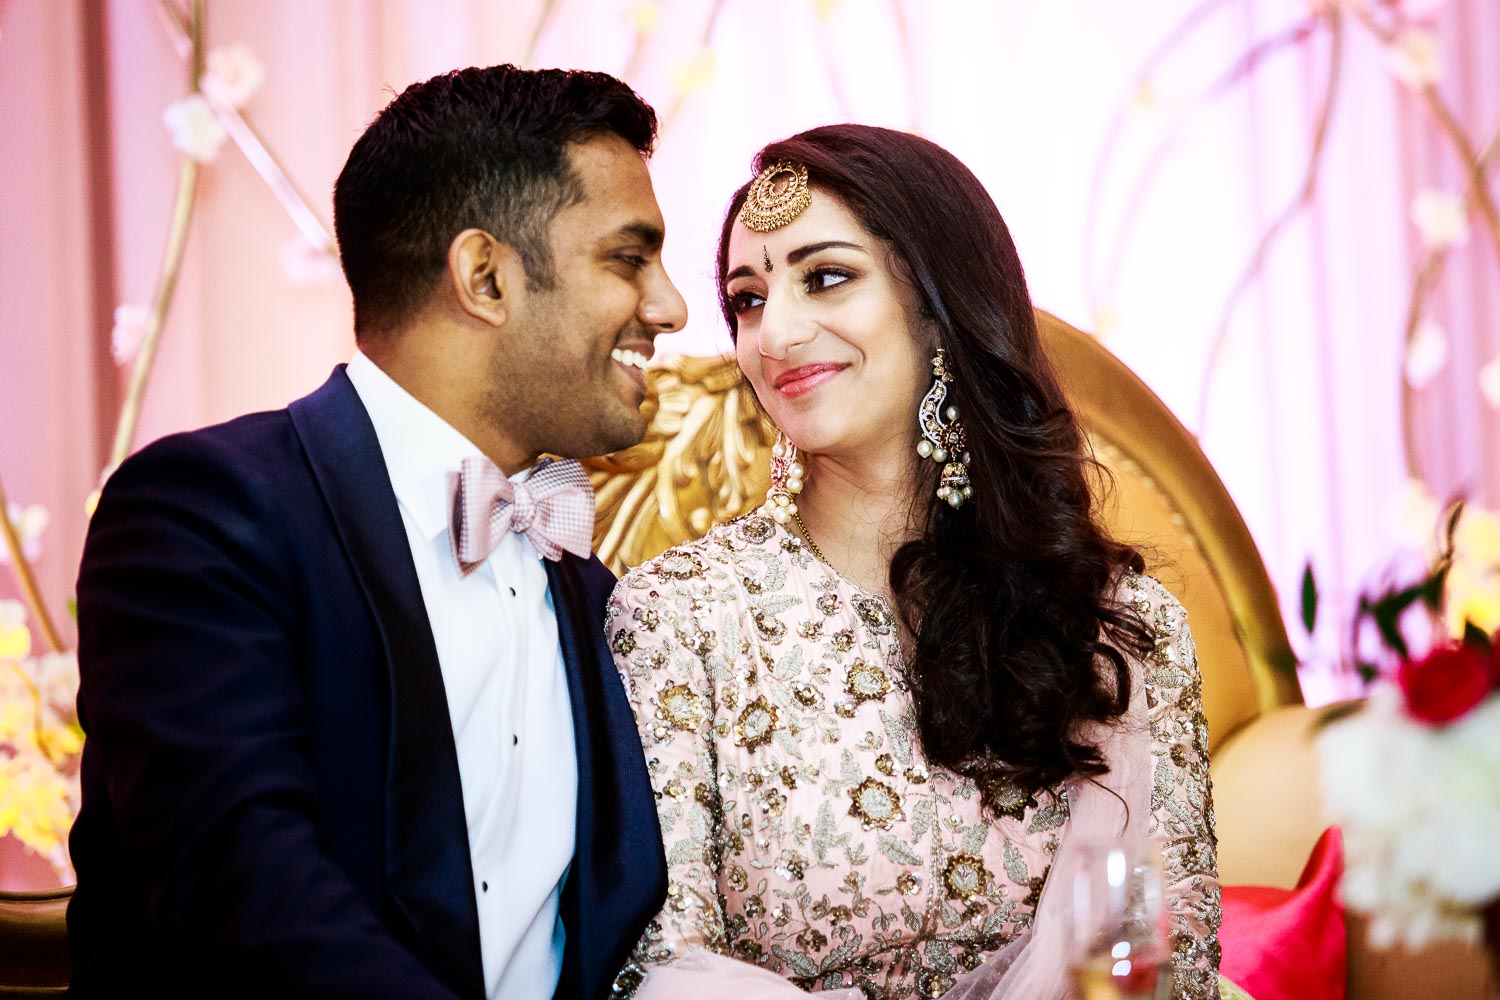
point(569, 378)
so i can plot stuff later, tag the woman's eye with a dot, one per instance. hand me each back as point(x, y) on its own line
point(742, 302)
point(825, 278)
point(633, 260)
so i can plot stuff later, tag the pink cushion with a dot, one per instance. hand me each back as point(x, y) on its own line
point(1289, 944)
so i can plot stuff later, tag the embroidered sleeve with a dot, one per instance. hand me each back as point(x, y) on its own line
point(662, 642)
point(1182, 820)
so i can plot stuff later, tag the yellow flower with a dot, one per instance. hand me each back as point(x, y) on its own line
point(645, 16)
point(1473, 585)
point(694, 74)
point(15, 637)
point(35, 803)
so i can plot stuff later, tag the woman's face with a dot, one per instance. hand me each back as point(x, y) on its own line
point(829, 336)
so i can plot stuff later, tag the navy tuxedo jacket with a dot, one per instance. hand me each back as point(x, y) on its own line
point(271, 798)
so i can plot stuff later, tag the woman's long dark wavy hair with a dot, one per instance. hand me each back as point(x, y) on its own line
point(1010, 597)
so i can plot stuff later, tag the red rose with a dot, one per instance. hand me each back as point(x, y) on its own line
point(1446, 683)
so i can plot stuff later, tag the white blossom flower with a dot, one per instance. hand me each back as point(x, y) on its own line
point(195, 130)
point(233, 74)
point(1426, 354)
point(1411, 516)
point(1441, 218)
point(29, 522)
point(1420, 10)
point(1416, 58)
point(1489, 383)
point(129, 330)
point(56, 677)
point(305, 264)
point(1418, 806)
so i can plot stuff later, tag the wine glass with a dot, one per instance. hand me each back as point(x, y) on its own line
point(1119, 924)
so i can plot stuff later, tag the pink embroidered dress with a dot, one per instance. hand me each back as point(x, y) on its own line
point(804, 831)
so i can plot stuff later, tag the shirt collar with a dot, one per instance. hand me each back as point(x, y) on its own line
point(421, 449)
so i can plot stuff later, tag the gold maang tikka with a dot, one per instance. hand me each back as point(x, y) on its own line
point(778, 195)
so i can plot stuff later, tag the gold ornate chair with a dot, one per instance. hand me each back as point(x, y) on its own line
point(705, 458)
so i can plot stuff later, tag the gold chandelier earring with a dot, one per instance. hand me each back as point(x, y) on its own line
point(786, 480)
point(943, 438)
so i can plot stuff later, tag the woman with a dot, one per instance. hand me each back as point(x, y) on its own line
point(881, 709)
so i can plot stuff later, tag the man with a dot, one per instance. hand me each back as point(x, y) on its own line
point(352, 728)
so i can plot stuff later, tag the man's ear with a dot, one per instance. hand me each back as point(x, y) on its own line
point(484, 275)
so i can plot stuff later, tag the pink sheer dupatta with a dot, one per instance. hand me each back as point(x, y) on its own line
point(1114, 807)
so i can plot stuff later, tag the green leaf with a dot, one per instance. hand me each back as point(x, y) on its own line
point(73, 608)
point(1367, 672)
point(1309, 599)
point(1478, 638)
point(1387, 615)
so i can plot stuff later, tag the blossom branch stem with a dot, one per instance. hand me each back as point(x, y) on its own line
point(1428, 273)
point(1268, 239)
point(543, 18)
point(1474, 165)
point(171, 267)
point(27, 579)
point(292, 201)
point(1113, 133)
point(680, 99)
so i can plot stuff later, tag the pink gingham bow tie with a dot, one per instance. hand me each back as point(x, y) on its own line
point(553, 507)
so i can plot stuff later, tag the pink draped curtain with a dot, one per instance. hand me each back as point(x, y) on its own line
point(1303, 417)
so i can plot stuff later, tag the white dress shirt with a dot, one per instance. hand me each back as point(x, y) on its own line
point(497, 644)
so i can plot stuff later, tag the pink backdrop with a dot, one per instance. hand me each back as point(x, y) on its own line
point(1303, 418)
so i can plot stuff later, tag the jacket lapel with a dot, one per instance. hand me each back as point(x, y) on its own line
point(428, 868)
point(618, 878)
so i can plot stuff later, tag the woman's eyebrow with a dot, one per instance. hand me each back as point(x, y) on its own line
point(800, 254)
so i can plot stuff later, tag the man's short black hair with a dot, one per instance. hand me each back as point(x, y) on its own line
point(480, 148)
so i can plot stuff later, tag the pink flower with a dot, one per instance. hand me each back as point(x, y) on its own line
point(130, 329)
point(1426, 354)
point(1420, 10)
point(1416, 58)
point(233, 74)
point(1441, 218)
point(194, 128)
point(1446, 684)
point(1489, 383)
point(305, 264)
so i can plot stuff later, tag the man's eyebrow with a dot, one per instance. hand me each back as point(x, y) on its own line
point(743, 271)
point(800, 254)
point(640, 232)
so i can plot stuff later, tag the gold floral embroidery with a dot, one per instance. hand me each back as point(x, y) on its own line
point(770, 627)
point(1003, 797)
point(965, 877)
point(680, 564)
point(876, 804)
point(829, 604)
point(623, 643)
point(875, 614)
point(756, 724)
point(867, 682)
point(679, 705)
